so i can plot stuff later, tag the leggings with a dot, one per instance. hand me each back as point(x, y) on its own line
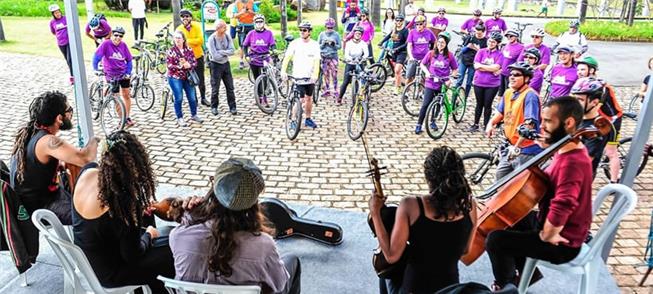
point(65, 50)
point(503, 86)
point(330, 73)
point(347, 79)
point(484, 98)
point(429, 94)
point(139, 28)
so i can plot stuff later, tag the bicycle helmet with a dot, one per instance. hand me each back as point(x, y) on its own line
point(445, 35)
point(330, 23)
point(184, 12)
point(306, 25)
point(53, 7)
point(442, 10)
point(589, 86)
point(359, 29)
point(118, 30)
point(421, 10)
point(512, 32)
point(496, 36)
point(525, 68)
point(533, 52)
point(497, 11)
point(289, 38)
point(574, 23)
point(400, 17)
point(94, 23)
point(259, 17)
point(420, 18)
point(480, 27)
point(590, 61)
point(364, 11)
point(565, 48)
point(477, 12)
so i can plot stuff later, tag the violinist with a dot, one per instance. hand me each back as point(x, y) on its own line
point(438, 227)
point(565, 213)
point(520, 105)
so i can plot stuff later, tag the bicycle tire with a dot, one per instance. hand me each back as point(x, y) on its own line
point(95, 98)
point(113, 112)
point(458, 104)
point(161, 65)
point(358, 116)
point(318, 87)
point(270, 94)
point(250, 76)
point(380, 75)
point(622, 150)
point(145, 100)
point(284, 88)
point(635, 104)
point(165, 96)
point(144, 64)
point(438, 117)
point(295, 104)
point(412, 98)
point(477, 164)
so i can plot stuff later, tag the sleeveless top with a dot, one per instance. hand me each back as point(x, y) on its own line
point(435, 248)
point(39, 186)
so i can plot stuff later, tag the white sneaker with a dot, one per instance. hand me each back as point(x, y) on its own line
point(181, 122)
point(197, 119)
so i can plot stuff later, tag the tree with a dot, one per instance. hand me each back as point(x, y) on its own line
point(402, 7)
point(176, 7)
point(583, 11)
point(2, 32)
point(333, 13)
point(376, 13)
point(631, 12)
point(299, 11)
point(284, 18)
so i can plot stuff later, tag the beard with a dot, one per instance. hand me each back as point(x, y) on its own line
point(66, 125)
point(556, 135)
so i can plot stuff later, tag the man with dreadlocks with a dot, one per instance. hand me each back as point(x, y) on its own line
point(38, 151)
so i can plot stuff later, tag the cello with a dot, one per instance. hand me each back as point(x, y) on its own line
point(516, 194)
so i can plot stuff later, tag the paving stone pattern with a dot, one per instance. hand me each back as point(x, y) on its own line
point(323, 167)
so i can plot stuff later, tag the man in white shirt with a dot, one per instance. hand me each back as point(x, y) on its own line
point(305, 54)
point(137, 9)
point(574, 38)
point(410, 9)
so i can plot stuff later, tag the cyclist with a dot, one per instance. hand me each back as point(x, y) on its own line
point(545, 52)
point(397, 53)
point(609, 108)
point(305, 54)
point(647, 78)
point(419, 41)
point(244, 11)
point(437, 65)
point(471, 45)
point(98, 29)
point(117, 66)
point(563, 74)
point(257, 46)
point(532, 56)
point(520, 105)
point(511, 52)
point(330, 43)
point(496, 23)
point(194, 36)
point(487, 79)
point(589, 92)
point(368, 33)
point(355, 53)
point(440, 22)
point(350, 17)
point(420, 12)
point(59, 28)
point(574, 38)
point(469, 24)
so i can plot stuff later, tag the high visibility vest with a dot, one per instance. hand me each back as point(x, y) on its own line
point(513, 116)
point(246, 18)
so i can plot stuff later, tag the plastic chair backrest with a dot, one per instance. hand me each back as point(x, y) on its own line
point(176, 286)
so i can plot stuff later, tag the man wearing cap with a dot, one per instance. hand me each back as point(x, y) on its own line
point(195, 38)
point(563, 75)
point(511, 52)
point(573, 37)
point(222, 238)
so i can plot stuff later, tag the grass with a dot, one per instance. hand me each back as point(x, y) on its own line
point(39, 8)
point(641, 31)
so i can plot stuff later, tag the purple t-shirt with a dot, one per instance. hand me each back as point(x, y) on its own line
point(536, 81)
point(420, 42)
point(440, 68)
point(510, 54)
point(469, 24)
point(562, 80)
point(258, 43)
point(485, 78)
point(495, 25)
point(545, 53)
point(440, 22)
point(114, 59)
point(59, 27)
point(101, 31)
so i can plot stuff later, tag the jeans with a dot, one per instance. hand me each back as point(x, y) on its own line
point(484, 98)
point(465, 70)
point(199, 69)
point(222, 72)
point(177, 87)
point(429, 94)
point(139, 28)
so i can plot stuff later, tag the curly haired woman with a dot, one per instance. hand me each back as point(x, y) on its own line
point(109, 204)
point(448, 210)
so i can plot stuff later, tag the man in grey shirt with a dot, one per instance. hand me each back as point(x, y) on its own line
point(221, 46)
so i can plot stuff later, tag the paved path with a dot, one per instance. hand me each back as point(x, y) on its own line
point(322, 167)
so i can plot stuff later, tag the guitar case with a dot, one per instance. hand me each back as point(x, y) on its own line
point(287, 223)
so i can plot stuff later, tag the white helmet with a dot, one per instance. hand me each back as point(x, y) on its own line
point(53, 7)
point(539, 32)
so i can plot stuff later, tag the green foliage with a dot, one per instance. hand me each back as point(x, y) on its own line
point(272, 12)
point(40, 8)
point(606, 30)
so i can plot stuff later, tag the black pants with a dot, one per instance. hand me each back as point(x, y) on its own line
point(503, 86)
point(508, 250)
point(156, 261)
point(484, 98)
point(65, 50)
point(139, 28)
point(256, 71)
point(199, 69)
point(347, 80)
point(370, 52)
point(222, 72)
point(293, 266)
point(429, 94)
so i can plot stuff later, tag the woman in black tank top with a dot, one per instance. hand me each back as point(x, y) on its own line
point(437, 227)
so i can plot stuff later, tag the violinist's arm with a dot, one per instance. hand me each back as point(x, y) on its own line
point(474, 217)
point(392, 246)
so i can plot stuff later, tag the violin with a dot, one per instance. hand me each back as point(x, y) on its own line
point(516, 194)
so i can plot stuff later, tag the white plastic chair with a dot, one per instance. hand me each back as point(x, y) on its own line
point(72, 258)
point(589, 261)
point(178, 287)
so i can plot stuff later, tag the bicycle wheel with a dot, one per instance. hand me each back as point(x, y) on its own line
point(459, 104)
point(165, 97)
point(250, 76)
point(293, 118)
point(112, 115)
point(266, 94)
point(318, 87)
point(477, 165)
point(95, 98)
point(622, 150)
point(379, 74)
point(436, 119)
point(412, 98)
point(284, 88)
point(161, 65)
point(145, 97)
point(357, 120)
point(635, 104)
point(144, 64)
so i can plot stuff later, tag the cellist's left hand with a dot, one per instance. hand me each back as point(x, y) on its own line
point(375, 203)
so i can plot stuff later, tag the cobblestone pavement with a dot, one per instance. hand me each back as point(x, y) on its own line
point(322, 167)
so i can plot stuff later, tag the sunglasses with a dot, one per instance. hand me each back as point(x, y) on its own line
point(186, 16)
point(536, 37)
point(419, 23)
point(516, 75)
point(258, 21)
point(530, 57)
point(399, 19)
point(118, 35)
point(304, 30)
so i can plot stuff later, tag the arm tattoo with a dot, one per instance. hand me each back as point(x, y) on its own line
point(55, 142)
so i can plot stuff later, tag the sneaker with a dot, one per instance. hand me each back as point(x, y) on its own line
point(293, 125)
point(326, 93)
point(418, 130)
point(214, 110)
point(263, 101)
point(196, 119)
point(205, 102)
point(233, 111)
point(433, 126)
point(398, 90)
point(241, 65)
point(310, 123)
point(473, 128)
point(129, 122)
point(181, 122)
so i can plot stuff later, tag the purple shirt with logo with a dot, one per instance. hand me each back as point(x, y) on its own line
point(470, 24)
point(59, 27)
point(114, 59)
point(545, 53)
point(495, 25)
point(562, 80)
point(436, 21)
point(101, 31)
point(420, 42)
point(510, 54)
point(486, 78)
point(259, 43)
point(536, 81)
point(440, 68)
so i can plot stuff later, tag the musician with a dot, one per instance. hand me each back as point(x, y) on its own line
point(38, 152)
point(520, 105)
point(565, 213)
point(223, 239)
point(438, 227)
point(589, 92)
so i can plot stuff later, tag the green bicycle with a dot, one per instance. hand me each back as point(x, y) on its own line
point(437, 114)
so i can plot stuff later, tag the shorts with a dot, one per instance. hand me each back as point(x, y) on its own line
point(399, 58)
point(119, 84)
point(614, 136)
point(411, 70)
point(305, 89)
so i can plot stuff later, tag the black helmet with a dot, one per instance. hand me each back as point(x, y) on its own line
point(289, 38)
point(185, 12)
point(496, 36)
point(400, 17)
point(359, 29)
point(480, 27)
point(525, 68)
point(118, 30)
point(533, 51)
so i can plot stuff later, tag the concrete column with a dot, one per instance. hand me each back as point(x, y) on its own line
point(561, 7)
point(578, 8)
point(512, 5)
point(646, 9)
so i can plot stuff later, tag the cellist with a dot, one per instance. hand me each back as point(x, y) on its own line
point(565, 213)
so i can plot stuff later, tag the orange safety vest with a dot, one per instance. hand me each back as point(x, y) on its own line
point(513, 116)
point(246, 18)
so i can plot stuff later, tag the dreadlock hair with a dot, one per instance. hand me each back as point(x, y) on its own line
point(225, 224)
point(126, 180)
point(43, 112)
point(450, 194)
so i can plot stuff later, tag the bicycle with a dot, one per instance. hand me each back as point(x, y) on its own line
point(166, 98)
point(141, 90)
point(107, 105)
point(521, 27)
point(622, 150)
point(635, 104)
point(269, 85)
point(478, 164)
point(459, 48)
point(386, 61)
point(294, 109)
point(437, 114)
point(413, 94)
point(359, 111)
point(153, 54)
